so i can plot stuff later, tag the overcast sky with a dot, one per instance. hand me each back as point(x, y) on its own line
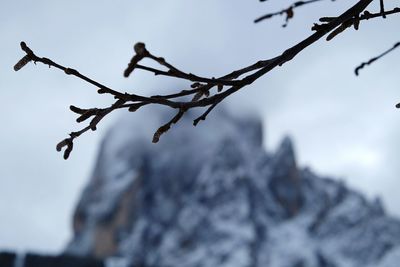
point(342, 126)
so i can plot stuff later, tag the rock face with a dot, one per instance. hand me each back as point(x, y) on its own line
point(212, 196)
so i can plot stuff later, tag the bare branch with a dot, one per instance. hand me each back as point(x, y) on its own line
point(289, 11)
point(382, 7)
point(372, 60)
point(204, 92)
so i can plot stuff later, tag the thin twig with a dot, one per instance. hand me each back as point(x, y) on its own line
point(382, 7)
point(289, 11)
point(372, 60)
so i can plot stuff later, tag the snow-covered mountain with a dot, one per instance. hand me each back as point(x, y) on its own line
point(212, 196)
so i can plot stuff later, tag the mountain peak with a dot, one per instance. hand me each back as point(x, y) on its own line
point(285, 153)
point(212, 196)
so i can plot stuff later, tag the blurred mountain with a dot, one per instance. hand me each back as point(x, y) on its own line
point(212, 196)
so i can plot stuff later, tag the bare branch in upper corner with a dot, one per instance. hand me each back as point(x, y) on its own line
point(289, 11)
point(204, 92)
point(372, 60)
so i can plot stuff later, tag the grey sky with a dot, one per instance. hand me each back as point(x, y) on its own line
point(342, 126)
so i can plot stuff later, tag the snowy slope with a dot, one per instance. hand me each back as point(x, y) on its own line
point(212, 196)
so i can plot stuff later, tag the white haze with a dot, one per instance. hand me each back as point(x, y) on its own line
point(343, 126)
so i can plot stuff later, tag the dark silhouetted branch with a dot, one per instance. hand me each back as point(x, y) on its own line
point(289, 11)
point(204, 92)
point(372, 60)
point(382, 11)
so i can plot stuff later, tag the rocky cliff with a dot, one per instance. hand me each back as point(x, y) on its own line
point(212, 196)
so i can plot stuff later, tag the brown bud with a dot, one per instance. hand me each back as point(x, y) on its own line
point(22, 62)
point(68, 151)
point(94, 122)
point(77, 110)
point(86, 115)
point(133, 108)
point(62, 144)
point(159, 132)
point(70, 71)
point(140, 49)
point(289, 13)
